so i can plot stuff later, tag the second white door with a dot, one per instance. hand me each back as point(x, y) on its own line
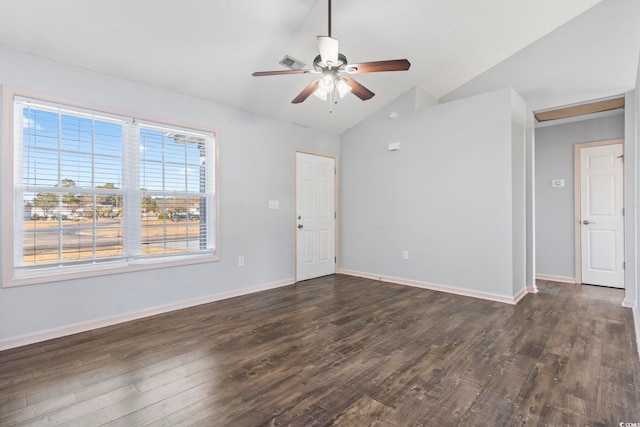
point(315, 216)
point(602, 219)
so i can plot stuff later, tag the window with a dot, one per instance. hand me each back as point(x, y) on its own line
point(97, 191)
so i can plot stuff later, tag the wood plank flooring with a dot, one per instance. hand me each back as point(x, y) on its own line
point(345, 351)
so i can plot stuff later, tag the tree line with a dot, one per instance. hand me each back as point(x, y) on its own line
point(104, 205)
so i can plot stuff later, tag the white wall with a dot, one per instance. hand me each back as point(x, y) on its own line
point(630, 172)
point(633, 295)
point(555, 240)
point(531, 201)
point(256, 165)
point(519, 123)
point(446, 197)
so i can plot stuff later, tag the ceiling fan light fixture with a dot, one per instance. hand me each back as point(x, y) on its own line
point(320, 94)
point(332, 85)
point(343, 88)
point(327, 83)
point(332, 88)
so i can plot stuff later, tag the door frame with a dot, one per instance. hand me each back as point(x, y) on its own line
point(294, 225)
point(577, 204)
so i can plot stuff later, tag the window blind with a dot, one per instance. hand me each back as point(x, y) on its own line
point(98, 187)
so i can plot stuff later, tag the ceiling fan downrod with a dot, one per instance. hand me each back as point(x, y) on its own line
point(329, 14)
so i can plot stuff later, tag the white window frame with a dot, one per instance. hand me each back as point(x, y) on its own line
point(12, 276)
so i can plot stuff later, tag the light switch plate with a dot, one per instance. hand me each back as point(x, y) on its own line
point(557, 183)
point(274, 204)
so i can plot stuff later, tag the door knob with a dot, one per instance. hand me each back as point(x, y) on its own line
point(587, 222)
point(300, 225)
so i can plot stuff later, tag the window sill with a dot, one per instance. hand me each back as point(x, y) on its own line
point(57, 274)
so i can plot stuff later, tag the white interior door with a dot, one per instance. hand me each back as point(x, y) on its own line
point(602, 217)
point(315, 216)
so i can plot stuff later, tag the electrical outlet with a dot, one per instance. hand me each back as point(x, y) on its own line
point(240, 261)
point(405, 254)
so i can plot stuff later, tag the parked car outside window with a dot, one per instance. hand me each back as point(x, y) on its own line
point(183, 216)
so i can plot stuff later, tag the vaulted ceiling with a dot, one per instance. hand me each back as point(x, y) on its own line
point(209, 48)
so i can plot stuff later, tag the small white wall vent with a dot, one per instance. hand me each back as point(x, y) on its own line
point(292, 63)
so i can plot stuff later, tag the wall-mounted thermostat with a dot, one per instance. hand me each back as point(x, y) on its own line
point(394, 146)
point(557, 183)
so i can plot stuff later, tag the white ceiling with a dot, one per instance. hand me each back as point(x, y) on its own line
point(593, 56)
point(209, 48)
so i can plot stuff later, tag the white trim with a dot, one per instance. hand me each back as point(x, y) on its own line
point(554, 278)
point(74, 328)
point(441, 288)
point(6, 179)
point(10, 276)
point(521, 294)
point(44, 275)
point(636, 319)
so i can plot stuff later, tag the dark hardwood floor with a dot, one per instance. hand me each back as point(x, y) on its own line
point(341, 350)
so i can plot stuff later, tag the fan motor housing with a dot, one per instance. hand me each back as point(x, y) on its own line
point(320, 66)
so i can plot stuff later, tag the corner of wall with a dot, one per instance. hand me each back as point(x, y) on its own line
point(519, 195)
point(424, 99)
point(630, 196)
point(468, 143)
point(636, 121)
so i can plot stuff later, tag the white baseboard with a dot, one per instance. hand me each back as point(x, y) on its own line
point(628, 303)
point(554, 278)
point(636, 319)
point(18, 341)
point(521, 294)
point(442, 288)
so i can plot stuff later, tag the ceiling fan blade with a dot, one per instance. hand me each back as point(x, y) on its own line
point(311, 87)
point(358, 90)
point(279, 72)
point(328, 47)
point(376, 66)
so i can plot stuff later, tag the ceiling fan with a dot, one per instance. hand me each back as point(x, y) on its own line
point(335, 82)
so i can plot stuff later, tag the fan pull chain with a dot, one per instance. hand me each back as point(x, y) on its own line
point(333, 99)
